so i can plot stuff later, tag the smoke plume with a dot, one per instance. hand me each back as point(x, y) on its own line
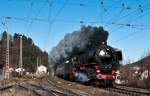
point(87, 36)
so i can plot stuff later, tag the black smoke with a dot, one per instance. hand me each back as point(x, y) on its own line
point(86, 37)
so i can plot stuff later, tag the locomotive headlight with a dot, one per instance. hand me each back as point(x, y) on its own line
point(99, 76)
point(102, 53)
point(98, 71)
point(67, 61)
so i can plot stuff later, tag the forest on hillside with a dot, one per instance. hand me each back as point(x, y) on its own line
point(31, 53)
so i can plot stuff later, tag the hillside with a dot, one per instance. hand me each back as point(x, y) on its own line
point(30, 52)
point(137, 73)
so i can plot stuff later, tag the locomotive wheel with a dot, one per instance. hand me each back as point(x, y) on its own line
point(102, 83)
point(91, 73)
point(67, 77)
point(113, 84)
point(106, 83)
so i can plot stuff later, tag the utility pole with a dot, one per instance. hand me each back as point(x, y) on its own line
point(37, 63)
point(7, 58)
point(20, 60)
point(40, 61)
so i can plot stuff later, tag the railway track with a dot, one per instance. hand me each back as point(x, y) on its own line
point(46, 88)
point(38, 88)
point(129, 91)
point(6, 87)
point(36, 92)
point(58, 88)
point(124, 90)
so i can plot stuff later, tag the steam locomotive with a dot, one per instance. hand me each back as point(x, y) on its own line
point(95, 65)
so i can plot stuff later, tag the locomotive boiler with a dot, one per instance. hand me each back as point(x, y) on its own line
point(98, 64)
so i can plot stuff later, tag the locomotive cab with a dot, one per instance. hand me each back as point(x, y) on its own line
point(119, 54)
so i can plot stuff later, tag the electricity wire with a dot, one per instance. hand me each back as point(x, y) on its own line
point(39, 11)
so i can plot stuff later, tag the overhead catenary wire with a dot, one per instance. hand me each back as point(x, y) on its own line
point(114, 17)
point(145, 5)
point(102, 2)
point(116, 22)
point(126, 16)
point(55, 18)
point(124, 8)
point(5, 23)
point(103, 6)
point(121, 11)
point(71, 21)
point(37, 19)
point(59, 11)
point(137, 9)
point(29, 14)
point(37, 14)
point(122, 18)
point(128, 36)
point(50, 3)
point(133, 33)
point(133, 20)
point(128, 24)
point(133, 26)
point(104, 10)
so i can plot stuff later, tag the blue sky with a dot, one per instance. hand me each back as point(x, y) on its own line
point(47, 21)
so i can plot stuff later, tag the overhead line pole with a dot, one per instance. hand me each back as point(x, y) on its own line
point(20, 60)
point(7, 58)
point(37, 63)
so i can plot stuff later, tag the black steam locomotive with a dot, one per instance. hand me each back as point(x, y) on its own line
point(96, 65)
